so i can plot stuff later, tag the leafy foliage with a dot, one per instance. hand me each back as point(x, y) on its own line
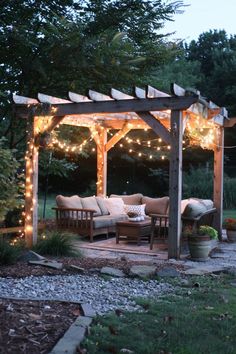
point(9, 188)
point(57, 244)
point(208, 230)
point(8, 253)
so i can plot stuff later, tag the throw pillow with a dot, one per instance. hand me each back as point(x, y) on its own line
point(137, 209)
point(115, 206)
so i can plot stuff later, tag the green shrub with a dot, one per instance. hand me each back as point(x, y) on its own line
point(8, 253)
point(229, 192)
point(208, 230)
point(56, 243)
point(198, 183)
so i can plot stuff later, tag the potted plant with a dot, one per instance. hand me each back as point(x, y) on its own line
point(230, 226)
point(200, 241)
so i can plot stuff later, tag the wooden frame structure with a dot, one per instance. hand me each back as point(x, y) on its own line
point(165, 114)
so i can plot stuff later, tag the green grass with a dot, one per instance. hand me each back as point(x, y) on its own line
point(50, 203)
point(194, 321)
point(229, 214)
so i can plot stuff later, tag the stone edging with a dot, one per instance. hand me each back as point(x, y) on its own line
point(69, 343)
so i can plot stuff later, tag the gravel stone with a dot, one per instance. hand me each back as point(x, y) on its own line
point(103, 295)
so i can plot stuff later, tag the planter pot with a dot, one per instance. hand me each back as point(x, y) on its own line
point(231, 235)
point(199, 247)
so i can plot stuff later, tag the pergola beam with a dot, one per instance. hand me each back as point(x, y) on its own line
point(156, 126)
point(117, 137)
point(129, 105)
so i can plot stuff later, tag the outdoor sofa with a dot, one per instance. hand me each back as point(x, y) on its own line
point(91, 216)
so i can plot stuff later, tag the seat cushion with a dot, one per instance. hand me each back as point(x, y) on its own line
point(107, 220)
point(156, 205)
point(132, 199)
point(195, 207)
point(91, 203)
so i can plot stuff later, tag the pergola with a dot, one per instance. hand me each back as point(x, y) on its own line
point(167, 115)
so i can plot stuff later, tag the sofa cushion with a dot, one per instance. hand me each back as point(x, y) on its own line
point(156, 205)
point(115, 206)
point(138, 209)
point(91, 203)
point(107, 220)
point(68, 202)
point(132, 199)
point(102, 205)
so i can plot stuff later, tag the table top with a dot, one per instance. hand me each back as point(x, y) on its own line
point(145, 222)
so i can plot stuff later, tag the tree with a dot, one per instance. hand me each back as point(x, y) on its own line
point(9, 184)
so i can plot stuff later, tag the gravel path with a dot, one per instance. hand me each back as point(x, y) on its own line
point(103, 295)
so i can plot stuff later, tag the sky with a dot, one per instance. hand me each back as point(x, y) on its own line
point(201, 16)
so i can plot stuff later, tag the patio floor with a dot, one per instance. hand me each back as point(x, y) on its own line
point(100, 244)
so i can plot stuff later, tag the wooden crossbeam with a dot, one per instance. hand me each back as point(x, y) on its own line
point(97, 96)
point(24, 100)
point(148, 104)
point(118, 95)
point(153, 92)
point(52, 100)
point(230, 123)
point(139, 93)
point(118, 136)
point(156, 125)
point(75, 97)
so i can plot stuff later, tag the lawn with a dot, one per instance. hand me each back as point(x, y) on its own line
point(198, 319)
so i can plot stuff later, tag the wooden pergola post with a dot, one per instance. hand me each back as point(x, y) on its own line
point(175, 184)
point(101, 161)
point(218, 181)
point(31, 186)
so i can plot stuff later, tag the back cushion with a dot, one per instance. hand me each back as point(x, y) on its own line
point(156, 205)
point(91, 203)
point(115, 206)
point(68, 202)
point(194, 210)
point(132, 199)
point(102, 205)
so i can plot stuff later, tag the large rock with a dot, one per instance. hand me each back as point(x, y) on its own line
point(31, 256)
point(143, 270)
point(46, 263)
point(168, 272)
point(112, 271)
point(205, 270)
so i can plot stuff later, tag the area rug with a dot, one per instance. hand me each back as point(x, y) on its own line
point(124, 246)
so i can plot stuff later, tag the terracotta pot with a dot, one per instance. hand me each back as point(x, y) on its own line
point(231, 235)
point(199, 247)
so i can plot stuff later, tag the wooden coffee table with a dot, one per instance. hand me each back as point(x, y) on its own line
point(133, 231)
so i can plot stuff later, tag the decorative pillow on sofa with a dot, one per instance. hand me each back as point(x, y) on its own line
point(115, 206)
point(137, 209)
point(156, 205)
point(91, 203)
point(132, 199)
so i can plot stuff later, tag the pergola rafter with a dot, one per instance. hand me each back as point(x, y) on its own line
point(165, 114)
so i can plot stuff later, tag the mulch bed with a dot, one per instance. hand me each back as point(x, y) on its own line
point(34, 326)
